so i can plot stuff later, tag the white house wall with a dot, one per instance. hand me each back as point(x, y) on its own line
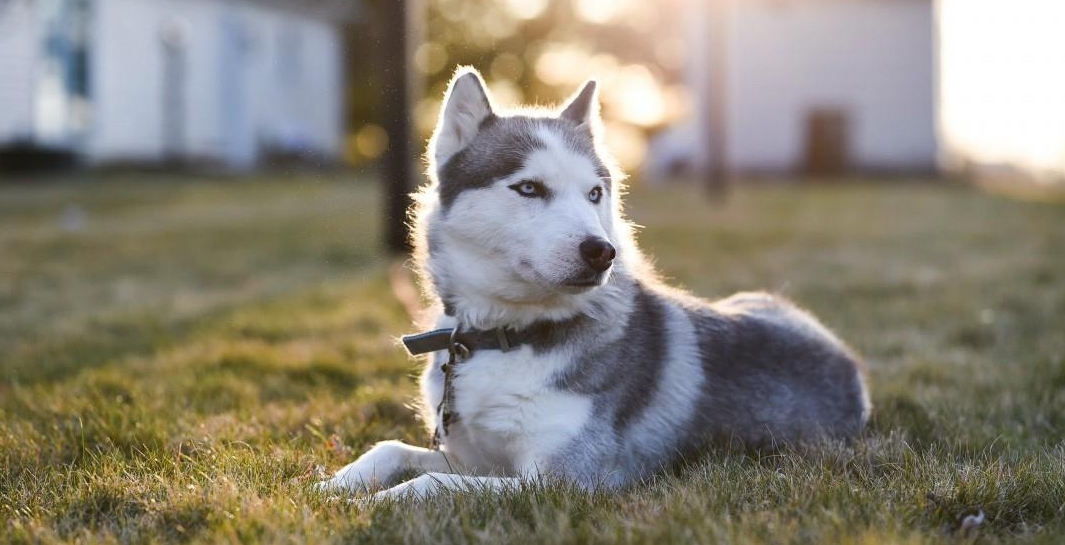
point(325, 70)
point(310, 107)
point(128, 79)
point(872, 58)
point(19, 44)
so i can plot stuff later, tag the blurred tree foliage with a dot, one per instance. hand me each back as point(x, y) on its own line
point(530, 51)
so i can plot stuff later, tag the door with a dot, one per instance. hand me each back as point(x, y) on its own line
point(827, 149)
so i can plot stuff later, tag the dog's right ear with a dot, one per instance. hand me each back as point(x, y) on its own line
point(583, 108)
point(466, 105)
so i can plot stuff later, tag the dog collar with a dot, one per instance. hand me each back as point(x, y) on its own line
point(469, 340)
point(459, 345)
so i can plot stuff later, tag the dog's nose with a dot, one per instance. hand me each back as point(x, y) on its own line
point(597, 253)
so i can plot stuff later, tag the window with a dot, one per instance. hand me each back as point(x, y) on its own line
point(63, 78)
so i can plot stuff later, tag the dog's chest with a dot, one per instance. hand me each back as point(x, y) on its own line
point(511, 416)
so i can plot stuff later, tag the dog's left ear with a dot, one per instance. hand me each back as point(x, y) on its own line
point(583, 108)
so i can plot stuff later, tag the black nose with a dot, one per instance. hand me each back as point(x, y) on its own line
point(597, 253)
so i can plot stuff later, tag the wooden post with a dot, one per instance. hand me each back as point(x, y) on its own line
point(396, 87)
point(717, 182)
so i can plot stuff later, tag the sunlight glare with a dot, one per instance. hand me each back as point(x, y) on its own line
point(562, 64)
point(627, 144)
point(430, 58)
point(526, 9)
point(507, 66)
point(1002, 87)
point(634, 96)
point(599, 11)
point(505, 93)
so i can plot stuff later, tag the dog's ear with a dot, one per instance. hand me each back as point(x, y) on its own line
point(466, 105)
point(583, 108)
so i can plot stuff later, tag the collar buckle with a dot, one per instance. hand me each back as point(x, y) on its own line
point(504, 342)
point(455, 349)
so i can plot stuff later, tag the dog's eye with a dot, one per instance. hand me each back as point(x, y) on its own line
point(530, 188)
point(596, 194)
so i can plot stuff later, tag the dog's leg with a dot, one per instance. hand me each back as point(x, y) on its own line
point(425, 486)
point(381, 464)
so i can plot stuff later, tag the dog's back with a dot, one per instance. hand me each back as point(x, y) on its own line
point(679, 373)
point(775, 374)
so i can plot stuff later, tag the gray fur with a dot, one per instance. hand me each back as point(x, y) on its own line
point(622, 392)
point(770, 373)
point(581, 108)
point(659, 373)
point(620, 379)
point(769, 379)
point(499, 149)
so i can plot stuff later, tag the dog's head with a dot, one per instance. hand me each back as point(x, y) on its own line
point(523, 207)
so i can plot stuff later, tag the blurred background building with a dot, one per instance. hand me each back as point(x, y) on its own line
point(216, 82)
point(689, 87)
point(812, 87)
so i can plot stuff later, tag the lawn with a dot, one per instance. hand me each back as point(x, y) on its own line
point(181, 358)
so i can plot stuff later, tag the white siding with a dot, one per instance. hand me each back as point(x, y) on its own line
point(325, 70)
point(18, 52)
point(308, 108)
point(126, 79)
point(129, 77)
point(872, 58)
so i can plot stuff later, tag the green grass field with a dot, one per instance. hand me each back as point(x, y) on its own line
point(180, 360)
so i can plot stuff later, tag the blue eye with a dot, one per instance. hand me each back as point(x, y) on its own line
point(530, 188)
point(595, 195)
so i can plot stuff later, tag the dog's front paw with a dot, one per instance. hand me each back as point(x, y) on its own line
point(419, 488)
point(374, 469)
point(354, 477)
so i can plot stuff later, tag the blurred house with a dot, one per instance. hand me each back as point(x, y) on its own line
point(814, 86)
point(224, 82)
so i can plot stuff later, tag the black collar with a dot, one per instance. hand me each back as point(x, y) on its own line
point(500, 338)
point(460, 344)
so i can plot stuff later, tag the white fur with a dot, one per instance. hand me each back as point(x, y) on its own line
point(381, 463)
point(510, 421)
point(511, 418)
point(429, 484)
point(520, 256)
point(506, 258)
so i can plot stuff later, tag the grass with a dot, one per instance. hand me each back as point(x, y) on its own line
point(179, 360)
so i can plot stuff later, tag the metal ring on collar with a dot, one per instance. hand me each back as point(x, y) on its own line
point(455, 348)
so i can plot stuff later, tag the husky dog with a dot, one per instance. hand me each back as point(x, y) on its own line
point(571, 360)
